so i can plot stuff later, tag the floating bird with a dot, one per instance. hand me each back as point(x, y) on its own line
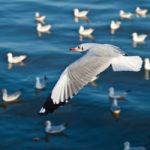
point(141, 12)
point(114, 26)
point(54, 129)
point(116, 94)
point(43, 28)
point(85, 32)
point(147, 64)
point(39, 18)
point(125, 15)
point(16, 59)
point(138, 38)
point(40, 83)
point(10, 97)
point(80, 14)
point(127, 147)
point(78, 74)
point(115, 109)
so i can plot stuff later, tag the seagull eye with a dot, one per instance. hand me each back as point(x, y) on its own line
point(82, 48)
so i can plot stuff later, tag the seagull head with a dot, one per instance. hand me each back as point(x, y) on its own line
point(48, 123)
point(126, 145)
point(146, 60)
point(9, 54)
point(121, 12)
point(76, 10)
point(111, 90)
point(37, 14)
point(37, 78)
point(82, 47)
point(134, 34)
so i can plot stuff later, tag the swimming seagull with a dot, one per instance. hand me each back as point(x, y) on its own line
point(127, 147)
point(114, 26)
point(16, 59)
point(80, 14)
point(125, 15)
point(138, 38)
point(147, 64)
point(85, 32)
point(78, 74)
point(54, 129)
point(43, 28)
point(115, 109)
point(116, 94)
point(141, 12)
point(40, 83)
point(10, 97)
point(39, 18)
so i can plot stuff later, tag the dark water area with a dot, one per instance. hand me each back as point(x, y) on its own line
point(91, 125)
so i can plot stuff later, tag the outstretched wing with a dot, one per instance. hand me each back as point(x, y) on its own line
point(74, 77)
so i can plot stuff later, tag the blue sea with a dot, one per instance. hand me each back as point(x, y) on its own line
point(91, 126)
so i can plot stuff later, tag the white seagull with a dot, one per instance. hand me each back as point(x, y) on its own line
point(115, 109)
point(10, 97)
point(43, 28)
point(16, 59)
point(116, 94)
point(40, 83)
point(138, 38)
point(78, 74)
point(114, 26)
point(54, 129)
point(125, 15)
point(147, 64)
point(80, 14)
point(85, 32)
point(141, 12)
point(127, 147)
point(39, 18)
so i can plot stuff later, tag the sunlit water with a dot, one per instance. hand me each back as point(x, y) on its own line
point(90, 122)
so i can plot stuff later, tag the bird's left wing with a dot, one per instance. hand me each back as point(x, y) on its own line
point(74, 77)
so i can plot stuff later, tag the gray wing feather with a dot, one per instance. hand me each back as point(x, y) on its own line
point(77, 75)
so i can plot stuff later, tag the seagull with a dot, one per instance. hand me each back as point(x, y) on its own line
point(114, 26)
point(16, 59)
point(141, 12)
point(115, 109)
point(125, 15)
point(127, 147)
point(39, 18)
point(147, 64)
point(80, 14)
point(85, 32)
point(98, 58)
point(43, 28)
point(54, 129)
point(40, 83)
point(10, 97)
point(116, 94)
point(138, 38)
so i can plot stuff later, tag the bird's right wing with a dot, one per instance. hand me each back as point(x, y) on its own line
point(74, 77)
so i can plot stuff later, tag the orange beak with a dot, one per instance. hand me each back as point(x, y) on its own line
point(72, 49)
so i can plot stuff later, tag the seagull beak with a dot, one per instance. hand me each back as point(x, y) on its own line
point(73, 49)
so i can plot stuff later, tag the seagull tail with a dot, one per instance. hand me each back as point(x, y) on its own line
point(127, 63)
point(49, 106)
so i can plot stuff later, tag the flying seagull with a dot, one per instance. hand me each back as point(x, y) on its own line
point(97, 59)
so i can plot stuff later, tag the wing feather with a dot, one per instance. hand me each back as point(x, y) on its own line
point(77, 75)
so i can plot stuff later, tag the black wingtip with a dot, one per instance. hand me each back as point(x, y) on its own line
point(49, 106)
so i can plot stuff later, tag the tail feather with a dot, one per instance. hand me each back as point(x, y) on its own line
point(49, 106)
point(127, 63)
